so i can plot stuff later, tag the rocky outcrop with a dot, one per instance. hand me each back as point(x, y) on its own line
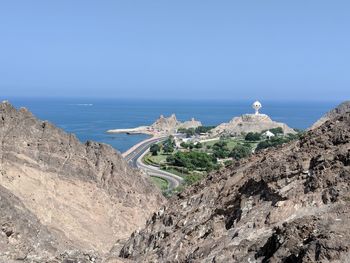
point(161, 127)
point(286, 204)
point(165, 124)
point(193, 123)
point(249, 123)
point(61, 199)
point(170, 124)
point(339, 110)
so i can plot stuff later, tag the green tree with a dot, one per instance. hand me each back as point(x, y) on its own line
point(168, 148)
point(184, 145)
point(277, 130)
point(169, 145)
point(190, 132)
point(203, 129)
point(240, 151)
point(198, 145)
point(252, 136)
point(154, 149)
point(193, 178)
point(273, 142)
point(220, 150)
point(192, 160)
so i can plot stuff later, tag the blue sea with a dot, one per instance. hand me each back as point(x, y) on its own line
point(89, 119)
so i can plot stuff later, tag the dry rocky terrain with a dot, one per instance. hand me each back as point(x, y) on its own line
point(340, 109)
point(64, 201)
point(286, 204)
point(61, 200)
point(249, 123)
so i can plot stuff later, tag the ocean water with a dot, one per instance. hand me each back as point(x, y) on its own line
point(89, 119)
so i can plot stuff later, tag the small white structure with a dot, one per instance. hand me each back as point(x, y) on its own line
point(268, 134)
point(256, 106)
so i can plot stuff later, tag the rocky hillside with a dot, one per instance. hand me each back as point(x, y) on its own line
point(288, 204)
point(340, 109)
point(249, 123)
point(193, 123)
point(169, 125)
point(60, 198)
point(166, 124)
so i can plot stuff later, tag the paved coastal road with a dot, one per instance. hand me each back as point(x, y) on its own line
point(135, 160)
point(132, 157)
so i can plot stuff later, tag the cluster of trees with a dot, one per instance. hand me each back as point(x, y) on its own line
point(191, 145)
point(220, 150)
point(204, 129)
point(241, 151)
point(154, 149)
point(256, 136)
point(276, 131)
point(195, 131)
point(252, 136)
point(193, 178)
point(168, 146)
point(193, 160)
point(274, 141)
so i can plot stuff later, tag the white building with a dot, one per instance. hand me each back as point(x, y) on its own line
point(268, 134)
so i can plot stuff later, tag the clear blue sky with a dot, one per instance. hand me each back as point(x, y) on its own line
point(176, 49)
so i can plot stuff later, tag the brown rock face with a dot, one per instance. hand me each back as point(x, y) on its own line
point(339, 110)
point(287, 204)
point(249, 123)
point(60, 197)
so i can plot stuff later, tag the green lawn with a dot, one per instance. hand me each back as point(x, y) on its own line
point(161, 183)
point(209, 143)
point(231, 143)
point(175, 171)
point(155, 159)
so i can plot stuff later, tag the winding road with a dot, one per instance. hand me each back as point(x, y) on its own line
point(135, 160)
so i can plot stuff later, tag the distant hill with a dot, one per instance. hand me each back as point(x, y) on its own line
point(340, 109)
point(61, 199)
point(249, 123)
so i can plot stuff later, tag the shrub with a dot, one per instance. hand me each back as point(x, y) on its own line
point(154, 149)
point(198, 145)
point(192, 160)
point(193, 178)
point(252, 136)
point(169, 145)
point(274, 141)
point(276, 131)
point(240, 151)
point(220, 150)
point(203, 129)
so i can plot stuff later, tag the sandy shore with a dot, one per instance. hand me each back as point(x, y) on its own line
point(137, 130)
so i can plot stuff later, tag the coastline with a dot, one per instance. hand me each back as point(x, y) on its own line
point(138, 130)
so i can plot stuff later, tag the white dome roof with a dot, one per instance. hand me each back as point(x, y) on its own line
point(257, 104)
